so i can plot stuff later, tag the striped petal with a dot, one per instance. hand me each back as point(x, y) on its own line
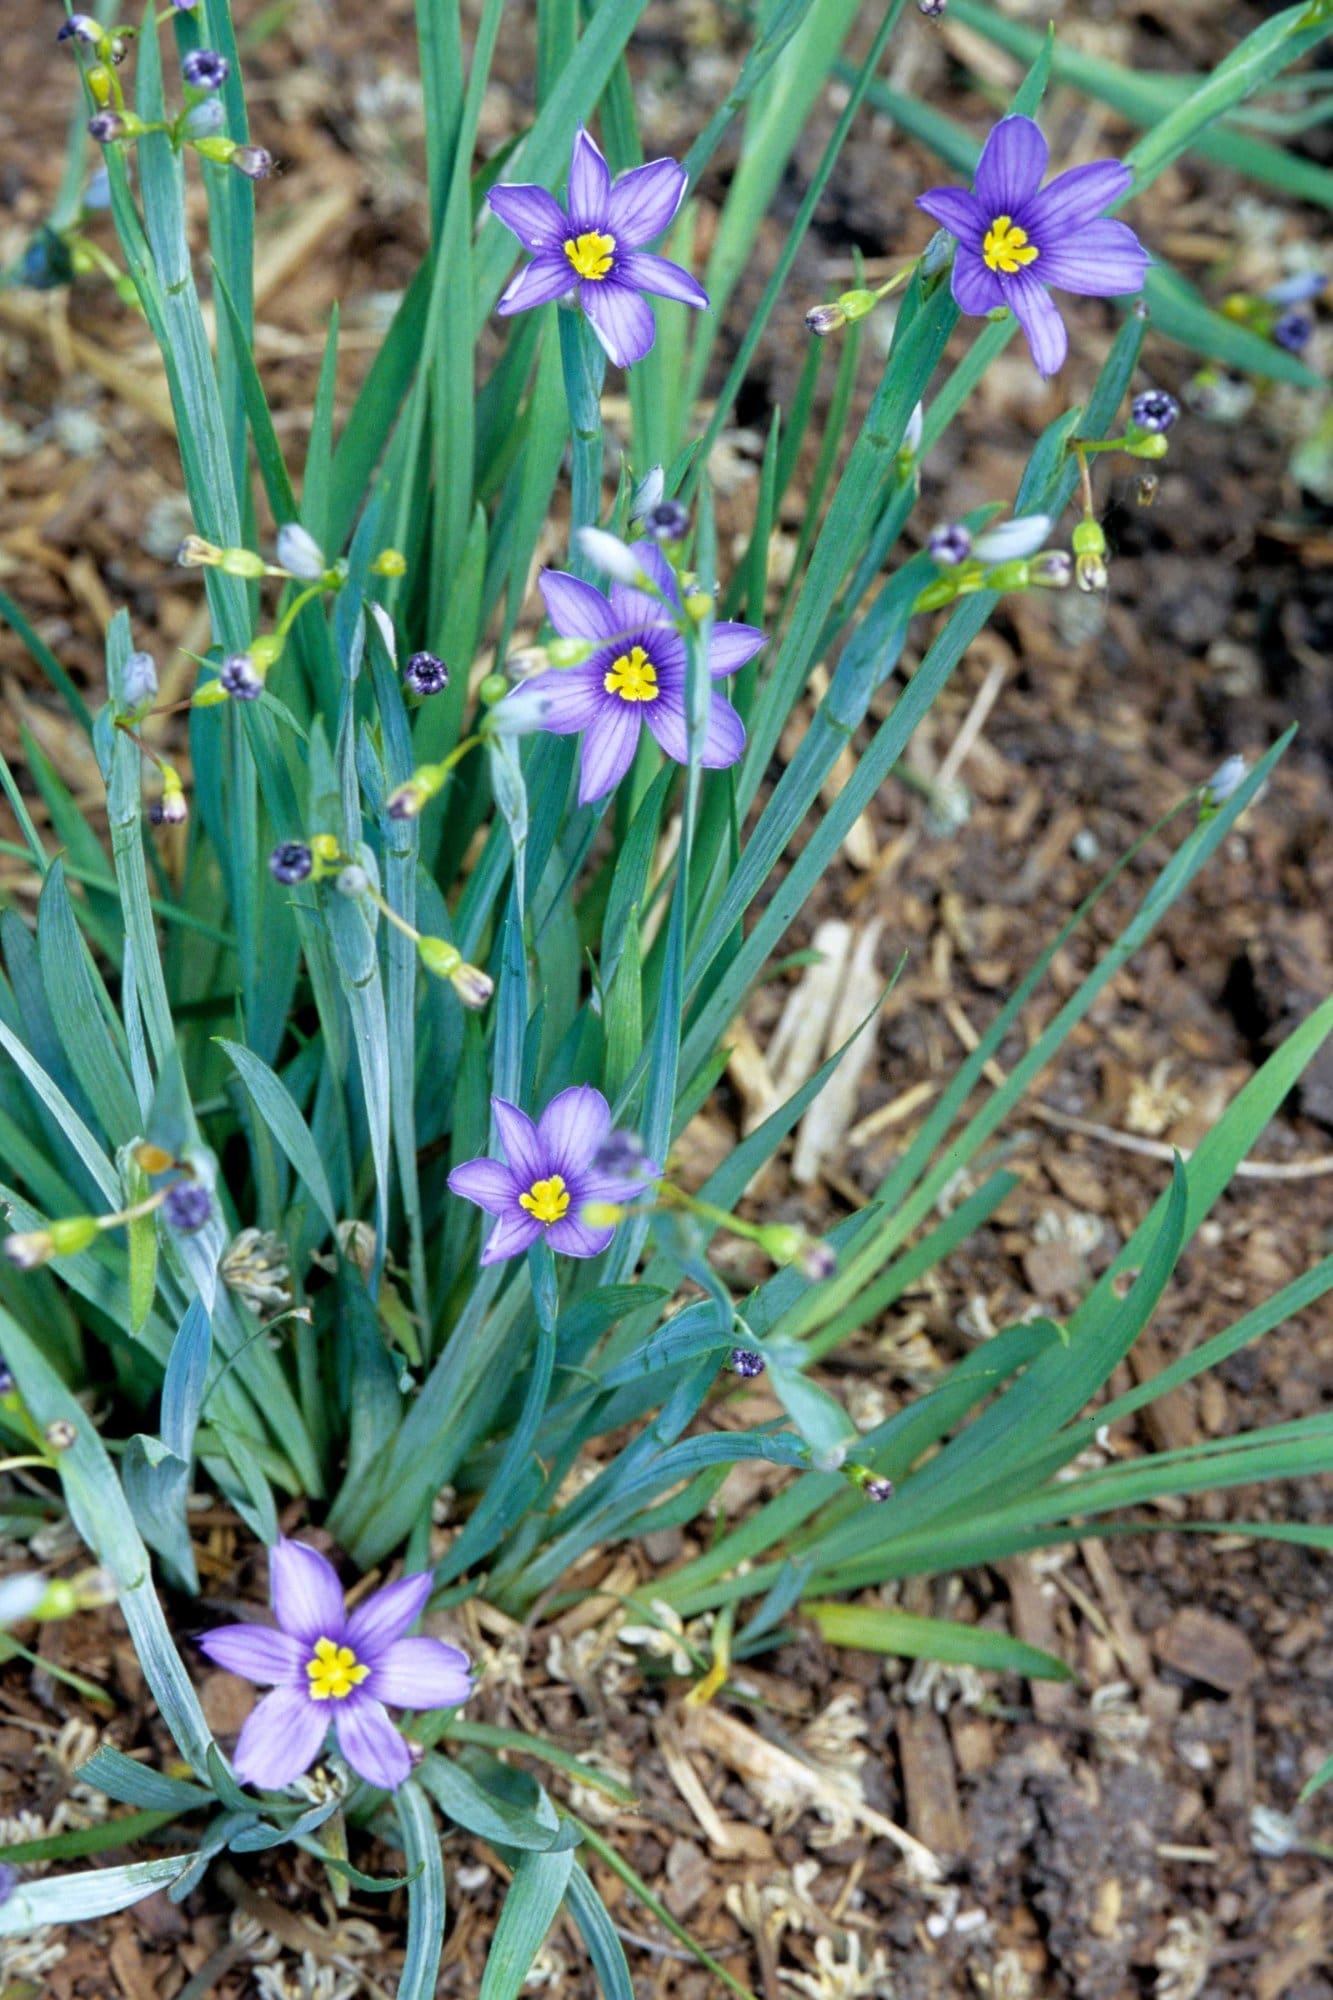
point(573, 1238)
point(370, 1743)
point(422, 1673)
point(386, 1615)
point(976, 288)
point(644, 202)
point(622, 321)
point(1105, 260)
point(731, 645)
point(957, 211)
point(573, 1127)
point(280, 1739)
point(1039, 317)
point(535, 216)
point(487, 1182)
point(549, 276)
point(1073, 199)
point(257, 1653)
point(608, 749)
point(511, 1236)
point(518, 1135)
point(307, 1596)
point(658, 274)
point(589, 183)
point(576, 610)
point(1012, 163)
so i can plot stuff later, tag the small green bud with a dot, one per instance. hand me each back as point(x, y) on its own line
point(1008, 576)
point(242, 562)
point(71, 1233)
point(389, 562)
point(783, 1242)
point(218, 149)
point(857, 304)
point(494, 688)
point(266, 649)
point(1146, 444)
point(439, 957)
point(59, 1600)
point(941, 591)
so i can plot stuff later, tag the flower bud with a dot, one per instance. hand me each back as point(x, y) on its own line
point(1226, 780)
point(916, 430)
point(817, 1261)
point(648, 493)
point(151, 1159)
point(81, 28)
point(195, 553)
point(666, 522)
point(933, 10)
point(1148, 445)
point(621, 1156)
point(299, 553)
point(205, 69)
point(108, 126)
point(291, 862)
point(239, 678)
point(1091, 572)
point(214, 147)
point(782, 1241)
point(171, 809)
point(28, 1249)
point(426, 674)
point(100, 84)
point(325, 849)
point(950, 544)
point(872, 1484)
point(746, 1363)
point(609, 554)
point(97, 194)
point(937, 594)
point(205, 119)
point(139, 679)
point(60, 1434)
point(824, 320)
point(569, 652)
point(1154, 411)
point(255, 162)
point(1008, 576)
point(1009, 541)
point(389, 562)
point(473, 986)
point(187, 1206)
point(1089, 538)
point(352, 880)
point(522, 711)
point(1293, 330)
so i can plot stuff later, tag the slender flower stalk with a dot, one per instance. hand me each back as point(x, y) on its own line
point(1016, 237)
point(331, 1667)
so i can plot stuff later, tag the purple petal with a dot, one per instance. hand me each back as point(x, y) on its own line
point(422, 1673)
point(589, 184)
point(644, 202)
point(633, 609)
point(384, 1617)
point(549, 276)
point(511, 1235)
point(574, 1126)
point(574, 697)
point(535, 216)
point(573, 1238)
point(724, 743)
point(1009, 171)
point(730, 646)
point(370, 1743)
point(1074, 198)
point(976, 288)
point(620, 319)
point(1039, 317)
point(1105, 260)
point(257, 1653)
point(487, 1182)
point(280, 1739)
point(307, 1596)
point(576, 610)
point(518, 1136)
point(616, 1187)
point(658, 274)
point(608, 749)
point(666, 720)
point(956, 211)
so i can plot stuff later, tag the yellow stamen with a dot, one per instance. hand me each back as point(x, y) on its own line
point(334, 1671)
point(1006, 247)
point(633, 677)
point(591, 254)
point(547, 1200)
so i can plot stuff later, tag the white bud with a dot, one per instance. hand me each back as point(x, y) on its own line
point(1227, 779)
point(1010, 541)
point(648, 493)
point(299, 553)
point(386, 631)
point(519, 714)
point(139, 679)
point(916, 425)
point(609, 554)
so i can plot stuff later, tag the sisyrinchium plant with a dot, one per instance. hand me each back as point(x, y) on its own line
point(343, 1080)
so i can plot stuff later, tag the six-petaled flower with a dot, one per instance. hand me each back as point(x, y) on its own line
point(550, 1174)
point(637, 674)
point(1016, 237)
point(327, 1665)
point(595, 245)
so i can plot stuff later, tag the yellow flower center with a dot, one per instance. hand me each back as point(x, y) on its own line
point(590, 254)
point(1006, 247)
point(547, 1200)
point(334, 1671)
point(633, 677)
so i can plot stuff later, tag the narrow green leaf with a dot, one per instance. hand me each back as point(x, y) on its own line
point(872, 1630)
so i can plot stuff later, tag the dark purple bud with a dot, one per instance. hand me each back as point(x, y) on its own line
point(621, 1157)
point(105, 126)
point(291, 862)
point(80, 28)
point(746, 1363)
point(6, 1389)
point(666, 522)
point(1293, 331)
point(170, 810)
point(426, 673)
point(876, 1488)
point(1154, 411)
point(205, 69)
point(255, 162)
point(239, 677)
point(187, 1206)
point(932, 9)
point(950, 545)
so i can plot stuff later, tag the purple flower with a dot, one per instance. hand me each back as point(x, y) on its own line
point(1154, 411)
point(552, 1175)
point(205, 69)
point(290, 862)
point(187, 1206)
point(1293, 330)
point(426, 674)
point(636, 675)
point(328, 1665)
point(1015, 237)
point(595, 243)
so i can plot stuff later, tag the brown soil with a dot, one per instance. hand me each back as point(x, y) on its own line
point(1098, 1837)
